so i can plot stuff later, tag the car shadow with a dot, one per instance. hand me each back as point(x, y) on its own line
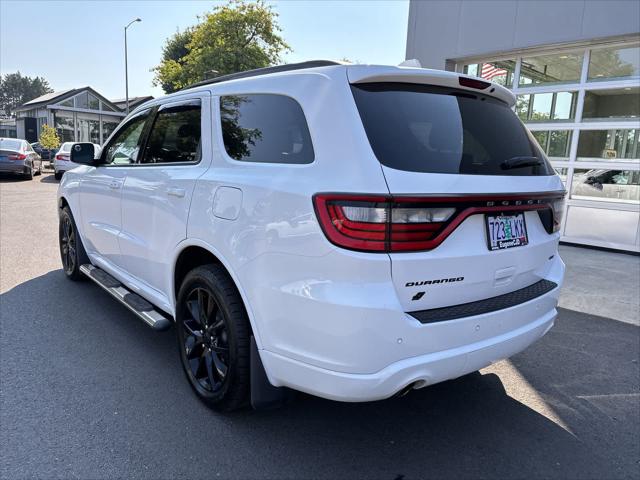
point(107, 397)
point(48, 178)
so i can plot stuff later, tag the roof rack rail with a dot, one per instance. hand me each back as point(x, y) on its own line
point(265, 71)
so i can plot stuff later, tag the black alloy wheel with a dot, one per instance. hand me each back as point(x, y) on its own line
point(67, 245)
point(72, 252)
point(206, 341)
point(213, 334)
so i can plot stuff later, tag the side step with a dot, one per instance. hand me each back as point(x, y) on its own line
point(134, 302)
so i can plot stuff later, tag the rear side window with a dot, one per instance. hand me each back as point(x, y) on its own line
point(265, 128)
point(175, 136)
point(421, 128)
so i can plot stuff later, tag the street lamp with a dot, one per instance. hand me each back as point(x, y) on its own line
point(126, 71)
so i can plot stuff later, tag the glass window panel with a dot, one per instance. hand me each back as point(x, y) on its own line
point(499, 71)
point(108, 127)
point(542, 137)
point(252, 133)
point(563, 108)
point(82, 100)
point(522, 106)
point(607, 63)
point(471, 69)
point(124, 146)
point(559, 143)
point(94, 103)
point(64, 126)
point(545, 69)
point(546, 106)
point(175, 136)
point(541, 109)
point(67, 103)
point(621, 103)
point(606, 185)
point(621, 144)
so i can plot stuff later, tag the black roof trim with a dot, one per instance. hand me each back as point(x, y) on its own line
point(265, 71)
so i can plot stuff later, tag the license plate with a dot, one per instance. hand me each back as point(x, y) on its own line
point(506, 231)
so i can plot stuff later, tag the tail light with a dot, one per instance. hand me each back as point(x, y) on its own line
point(17, 156)
point(473, 83)
point(382, 223)
point(557, 208)
point(62, 157)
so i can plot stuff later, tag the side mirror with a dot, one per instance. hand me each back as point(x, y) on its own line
point(83, 153)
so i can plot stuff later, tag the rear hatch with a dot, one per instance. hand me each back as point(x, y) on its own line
point(474, 200)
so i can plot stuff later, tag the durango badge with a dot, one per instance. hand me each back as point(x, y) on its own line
point(433, 282)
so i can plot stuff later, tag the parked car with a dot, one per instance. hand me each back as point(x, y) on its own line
point(613, 185)
point(62, 161)
point(18, 157)
point(45, 153)
point(353, 232)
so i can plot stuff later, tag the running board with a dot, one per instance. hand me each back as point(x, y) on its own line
point(134, 302)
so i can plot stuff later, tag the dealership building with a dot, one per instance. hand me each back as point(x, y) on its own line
point(574, 67)
point(78, 115)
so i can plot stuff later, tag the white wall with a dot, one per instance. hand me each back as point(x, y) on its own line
point(450, 29)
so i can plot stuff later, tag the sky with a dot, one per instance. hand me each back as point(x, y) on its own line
point(80, 43)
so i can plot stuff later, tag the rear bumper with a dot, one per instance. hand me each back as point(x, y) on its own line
point(19, 168)
point(419, 371)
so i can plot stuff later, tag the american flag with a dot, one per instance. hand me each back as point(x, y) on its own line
point(489, 71)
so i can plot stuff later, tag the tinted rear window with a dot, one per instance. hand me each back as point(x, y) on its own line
point(421, 128)
point(8, 144)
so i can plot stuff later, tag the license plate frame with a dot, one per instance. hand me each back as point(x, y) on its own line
point(505, 243)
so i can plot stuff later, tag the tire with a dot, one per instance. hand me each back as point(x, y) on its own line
point(57, 175)
point(29, 175)
point(72, 252)
point(39, 169)
point(214, 348)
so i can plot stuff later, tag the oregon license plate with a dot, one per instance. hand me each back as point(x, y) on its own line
point(506, 231)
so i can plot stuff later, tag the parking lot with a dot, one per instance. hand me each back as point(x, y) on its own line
point(87, 391)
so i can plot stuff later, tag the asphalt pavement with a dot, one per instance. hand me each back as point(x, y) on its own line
point(87, 391)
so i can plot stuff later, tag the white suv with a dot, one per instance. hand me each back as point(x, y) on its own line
point(352, 232)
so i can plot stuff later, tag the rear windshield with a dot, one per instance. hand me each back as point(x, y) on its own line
point(422, 128)
point(66, 147)
point(9, 144)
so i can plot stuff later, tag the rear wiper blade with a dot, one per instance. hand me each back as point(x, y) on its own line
point(520, 162)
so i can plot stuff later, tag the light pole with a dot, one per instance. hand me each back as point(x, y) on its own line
point(126, 68)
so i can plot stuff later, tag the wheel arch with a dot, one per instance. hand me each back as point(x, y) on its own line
point(194, 253)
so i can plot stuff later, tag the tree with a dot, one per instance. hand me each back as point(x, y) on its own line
point(16, 89)
point(238, 36)
point(49, 137)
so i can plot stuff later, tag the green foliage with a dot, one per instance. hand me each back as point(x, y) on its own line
point(49, 137)
point(16, 89)
point(238, 36)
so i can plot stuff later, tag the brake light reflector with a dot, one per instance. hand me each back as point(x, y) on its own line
point(473, 83)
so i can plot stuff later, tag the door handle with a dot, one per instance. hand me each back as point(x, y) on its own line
point(115, 184)
point(176, 192)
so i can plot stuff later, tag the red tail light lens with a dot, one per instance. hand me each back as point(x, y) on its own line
point(557, 207)
point(17, 156)
point(379, 223)
point(62, 157)
point(473, 83)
